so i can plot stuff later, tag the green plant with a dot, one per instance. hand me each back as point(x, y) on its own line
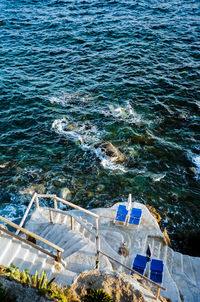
point(43, 285)
point(97, 295)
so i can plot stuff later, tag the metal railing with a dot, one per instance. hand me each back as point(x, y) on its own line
point(159, 287)
point(31, 234)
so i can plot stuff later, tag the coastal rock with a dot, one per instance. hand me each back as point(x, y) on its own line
point(38, 188)
point(116, 285)
point(145, 139)
point(100, 187)
point(113, 152)
point(6, 165)
point(166, 237)
point(154, 213)
point(65, 193)
point(16, 291)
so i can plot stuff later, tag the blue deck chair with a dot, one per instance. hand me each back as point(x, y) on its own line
point(135, 216)
point(121, 213)
point(139, 264)
point(156, 270)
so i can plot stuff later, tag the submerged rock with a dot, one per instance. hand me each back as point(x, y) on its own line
point(7, 165)
point(113, 152)
point(65, 193)
point(38, 188)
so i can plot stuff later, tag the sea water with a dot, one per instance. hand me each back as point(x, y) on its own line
point(75, 74)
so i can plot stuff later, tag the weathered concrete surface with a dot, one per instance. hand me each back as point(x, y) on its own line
point(181, 272)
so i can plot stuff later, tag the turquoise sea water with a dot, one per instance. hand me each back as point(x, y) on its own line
point(74, 74)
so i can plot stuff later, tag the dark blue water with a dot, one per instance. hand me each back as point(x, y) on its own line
point(74, 74)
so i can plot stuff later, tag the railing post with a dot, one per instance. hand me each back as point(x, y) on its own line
point(26, 213)
point(72, 223)
point(51, 216)
point(58, 256)
point(55, 204)
point(157, 293)
point(98, 251)
point(97, 225)
point(36, 201)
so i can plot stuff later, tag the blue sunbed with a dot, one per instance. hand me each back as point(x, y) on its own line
point(156, 270)
point(135, 216)
point(121, 213)
point(139, 264)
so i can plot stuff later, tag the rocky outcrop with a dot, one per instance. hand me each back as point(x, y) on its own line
point(65, 193)
point(13, 291)
point(154, 213)
point(113, 152)
point(115, 284)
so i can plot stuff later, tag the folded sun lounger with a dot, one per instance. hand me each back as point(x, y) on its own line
point(156, 270)
point(135, 216)
point(139, 264)
point(121, 214)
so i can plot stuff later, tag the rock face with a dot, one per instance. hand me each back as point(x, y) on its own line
point(16, 292)
point(113, 152)
point(154, 213)
point(114, 284)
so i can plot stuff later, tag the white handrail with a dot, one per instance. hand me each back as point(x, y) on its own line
point(76, 207)
point(26, 213)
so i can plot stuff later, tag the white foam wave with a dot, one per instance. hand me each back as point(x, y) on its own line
point(107, 162)
point(196, 162)
point(67, 98)
point(82, 134)
point(87, 137)
point(158, 177)
point(12, 211)
point(126, 113)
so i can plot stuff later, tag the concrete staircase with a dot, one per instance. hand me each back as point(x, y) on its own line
point(26, 257)
point(79, 248)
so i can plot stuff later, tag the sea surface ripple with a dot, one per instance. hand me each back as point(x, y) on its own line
point(74, 74)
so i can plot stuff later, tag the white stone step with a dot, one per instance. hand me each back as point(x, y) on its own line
point(54, 234)
point(5, 244)
point(177, 263)
point(30, 259)
point(156, 249)
point(170, 259)
point(85, 259)
point(163, 252)
point(37, 227)
point(188, 269)
point(39, 263)
point(65, 277)
point(11, 252)
point(22, 255)
point(188, 291)
point(73, 248)
point(196, 268)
